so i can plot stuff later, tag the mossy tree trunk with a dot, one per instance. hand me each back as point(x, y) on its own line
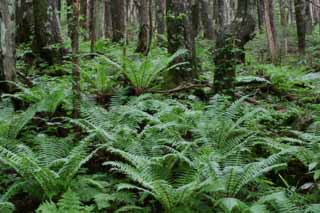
point(7, 44)
point(180, 35)
point(230, 44)
point(47, 41)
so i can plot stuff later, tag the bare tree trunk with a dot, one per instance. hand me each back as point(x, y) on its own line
point(118, 19)
point(7, 44)
point(269, 22)
point(47, 31)
point(108, 19)
point(75, 59)
point(301, 25)
point(92, 27)
point(229, 39)
point(180, 35)
point(284, 24)
point(206, 20)
point(145, 32)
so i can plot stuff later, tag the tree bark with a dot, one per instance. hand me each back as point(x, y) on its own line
point(271, 33)
point(284, 24)
point(47, 41)
point(24, 21)
point(92, 28)
point(160, 17)
point(195, 13)
point(75, 59)
point(180, 35)
point(145, 32)
point(7, 44)
point(108, 20)
point(206, 20)
point(301, 25)
point(230, 43)
point(118, 19)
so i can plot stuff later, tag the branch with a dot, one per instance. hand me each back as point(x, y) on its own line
point(180, 88)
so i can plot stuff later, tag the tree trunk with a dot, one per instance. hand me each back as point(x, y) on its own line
point(269, 22)
point(7, 44)
point(160, 17)
point(118, 19)
point(108, 20)
point(180, 35)
point(24, 21)
point(260, 15)
point(230, 43)
point(47, 41)
point(145, 32)
point(308, 16)
point(195, 13)
point(75, 59)
point(206, 20)
point(92, 28)
point(301, 25)
point(284, 24)
point(83, 15)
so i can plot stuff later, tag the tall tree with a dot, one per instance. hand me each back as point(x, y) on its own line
point(271, 31)
point(301, 25)
point(284, 23)
point(24, 21)
point(160, 16)
point(75, 58)
point(118, 19)
point(206, 20)
point(47, 41)
point(7, 44)
point(107, 20)
point(181, 36)
point(92, 28)
point(230, 39)
point(145, 31)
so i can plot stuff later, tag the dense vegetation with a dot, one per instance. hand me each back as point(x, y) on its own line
point(147, 132)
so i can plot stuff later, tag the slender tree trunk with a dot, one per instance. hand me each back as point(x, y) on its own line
point(118, 19)
point(269, 22)
point(75, 59)
point(180, 35)
point(92, 27)
point(108, 19)
point(206, 20)
point(230, 40)
point(284, 24)
point(47, 32)
point(145, 32)
point(301, 25)
point(7, 44)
